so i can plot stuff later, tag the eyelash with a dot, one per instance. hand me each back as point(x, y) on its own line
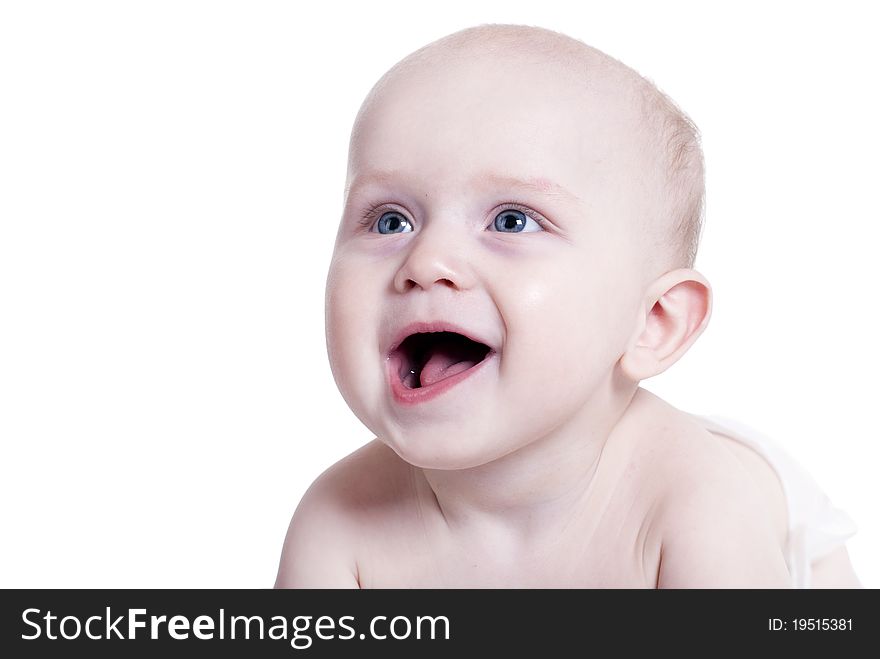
point(370, 214)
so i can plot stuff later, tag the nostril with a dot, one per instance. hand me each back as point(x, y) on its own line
point(409, 284)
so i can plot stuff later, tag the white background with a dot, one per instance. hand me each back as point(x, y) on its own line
point(171, 178)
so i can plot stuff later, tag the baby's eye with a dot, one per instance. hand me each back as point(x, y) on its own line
point(514, 221)
point(393, 222)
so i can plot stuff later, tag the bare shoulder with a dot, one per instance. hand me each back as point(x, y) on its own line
point(335, 516)
point(711, 514)
point(834, 570)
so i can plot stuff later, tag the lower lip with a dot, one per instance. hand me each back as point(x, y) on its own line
point(406, 396)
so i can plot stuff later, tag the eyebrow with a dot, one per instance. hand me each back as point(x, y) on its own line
point(536, 184)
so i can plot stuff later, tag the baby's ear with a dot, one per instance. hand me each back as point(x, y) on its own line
point(676, 311)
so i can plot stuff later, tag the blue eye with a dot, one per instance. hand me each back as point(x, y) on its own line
point(514, 221)
point(393, 222)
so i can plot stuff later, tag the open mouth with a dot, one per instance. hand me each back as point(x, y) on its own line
point(427, 358)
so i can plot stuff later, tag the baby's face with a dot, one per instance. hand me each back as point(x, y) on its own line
point(500, 203)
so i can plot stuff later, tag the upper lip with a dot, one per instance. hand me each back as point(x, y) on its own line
point(420, 327)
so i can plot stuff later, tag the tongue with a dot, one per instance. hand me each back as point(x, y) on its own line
point(444, 362)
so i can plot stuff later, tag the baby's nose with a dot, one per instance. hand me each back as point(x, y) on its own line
point(431, 261)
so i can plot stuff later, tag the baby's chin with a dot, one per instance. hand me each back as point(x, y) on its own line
point(432, 449)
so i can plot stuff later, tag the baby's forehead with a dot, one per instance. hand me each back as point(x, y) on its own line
point(494, 120)
point(484, 89)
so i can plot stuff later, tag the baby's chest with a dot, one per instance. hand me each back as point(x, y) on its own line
point(622, 558)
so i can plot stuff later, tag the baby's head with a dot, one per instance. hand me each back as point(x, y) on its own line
point(526, 210)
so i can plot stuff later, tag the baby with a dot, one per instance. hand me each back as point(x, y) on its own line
point(515, 256)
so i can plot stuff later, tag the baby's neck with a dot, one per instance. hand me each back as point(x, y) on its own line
point(537, 491)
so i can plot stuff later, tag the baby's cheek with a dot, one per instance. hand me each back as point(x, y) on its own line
point(567, 322)
point(552, 294)
point(348, 328)
point(349, 315)
point(349, 291)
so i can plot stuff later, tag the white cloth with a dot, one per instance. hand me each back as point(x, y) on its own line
point(815, 526)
